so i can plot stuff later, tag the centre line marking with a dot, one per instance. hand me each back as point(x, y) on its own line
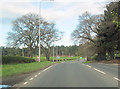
point(25, 83)
point(31, 79)
point(116, 79)
point(99, 71)
point(38, 73)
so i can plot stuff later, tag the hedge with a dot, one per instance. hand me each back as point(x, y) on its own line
point(16, 59)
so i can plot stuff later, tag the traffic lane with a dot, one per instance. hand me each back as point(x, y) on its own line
point(71, 75)
point(110, 69)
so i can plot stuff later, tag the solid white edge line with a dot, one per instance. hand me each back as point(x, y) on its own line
point(99, 71)
point(25, 83)
point(116, 79)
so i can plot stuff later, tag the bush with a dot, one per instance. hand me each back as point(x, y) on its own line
point(16, 59)
point(94, 57)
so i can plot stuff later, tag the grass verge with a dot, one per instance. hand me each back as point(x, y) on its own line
point(14, 69)
point(88, 62)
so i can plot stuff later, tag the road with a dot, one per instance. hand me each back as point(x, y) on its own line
point(74, 74)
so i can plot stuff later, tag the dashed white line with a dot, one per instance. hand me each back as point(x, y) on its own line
point(47, 68)
point(44, 69)
point(116, 79)
point(39, 73)
point(35, 75)
point(88, 66)
point(25, 83)
point(31, 79)
point(99, 71)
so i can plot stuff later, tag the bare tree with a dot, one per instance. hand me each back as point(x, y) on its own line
point(86, 28)
point(25, 31)
point(49, 34)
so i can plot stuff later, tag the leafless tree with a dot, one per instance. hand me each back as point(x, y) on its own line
point(25, 31)
point(87, 27)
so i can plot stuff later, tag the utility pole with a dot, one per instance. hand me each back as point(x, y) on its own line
point(39, 27)
point(39, 22)
point(23, 52)
point(57, 53)
point(53, 53)
point(62, 53)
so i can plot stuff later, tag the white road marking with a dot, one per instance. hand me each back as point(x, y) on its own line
point(38, 73)
point(99, 71)
point(35, 75)
point(116, 79)
point(31, 79)
point(47, 68)
point(88, 66)
point(25, 83)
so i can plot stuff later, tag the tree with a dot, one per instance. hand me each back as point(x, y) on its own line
point(87, 28)
point(25, 32)
point(49, 34)
point(86, 50)
point(109, 34)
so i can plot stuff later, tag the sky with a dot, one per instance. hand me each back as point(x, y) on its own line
point(64, 13)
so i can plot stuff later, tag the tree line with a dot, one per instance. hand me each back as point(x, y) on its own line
point(75, 50)
point(58, 51)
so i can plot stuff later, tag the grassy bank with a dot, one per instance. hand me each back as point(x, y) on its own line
point(14, 69)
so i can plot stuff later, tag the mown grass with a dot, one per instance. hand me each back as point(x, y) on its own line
point(14, 69)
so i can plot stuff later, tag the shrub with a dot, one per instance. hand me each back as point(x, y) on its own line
point(94, 57)
point(16, 59)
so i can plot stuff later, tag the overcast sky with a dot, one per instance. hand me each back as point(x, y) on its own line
point(62, 12)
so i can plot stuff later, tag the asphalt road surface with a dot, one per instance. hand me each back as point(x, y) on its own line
point(74, 74)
